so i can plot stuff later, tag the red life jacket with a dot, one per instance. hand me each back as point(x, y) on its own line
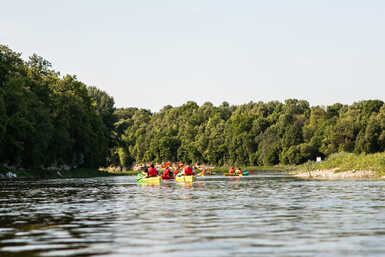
point(167, 174)
point(231, 171)
point(152, 172)
point(176, 171)
point(188, 171)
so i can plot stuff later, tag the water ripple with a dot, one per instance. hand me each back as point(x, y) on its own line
point(269, 214)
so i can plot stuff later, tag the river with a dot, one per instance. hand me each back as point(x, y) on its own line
point(267, 214)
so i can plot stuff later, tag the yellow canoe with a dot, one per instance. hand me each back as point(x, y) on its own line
point(189, 179)
point(151, 180)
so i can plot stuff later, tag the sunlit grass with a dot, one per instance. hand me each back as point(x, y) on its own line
point(348, 161)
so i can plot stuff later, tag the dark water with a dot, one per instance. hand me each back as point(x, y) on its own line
point(270, 214)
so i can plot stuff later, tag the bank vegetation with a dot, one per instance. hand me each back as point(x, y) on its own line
point(54, 121)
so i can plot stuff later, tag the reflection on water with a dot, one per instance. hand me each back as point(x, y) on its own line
point(268, 214)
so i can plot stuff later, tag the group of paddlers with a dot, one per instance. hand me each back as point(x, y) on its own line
point(181, 170)
point(235, 171)
point(168, 172)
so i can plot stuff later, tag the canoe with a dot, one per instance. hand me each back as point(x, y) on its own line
point(244, 173)
point(206, 174)
point(151, 180)
point(232, 174)
point(167, 178)
point(184, 179)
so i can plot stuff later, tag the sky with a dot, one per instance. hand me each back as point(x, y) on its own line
point(152, 53)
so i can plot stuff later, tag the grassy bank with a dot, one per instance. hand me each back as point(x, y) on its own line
point(348, 162)
point(6, 173)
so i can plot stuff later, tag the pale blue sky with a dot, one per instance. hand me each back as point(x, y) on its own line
point(148, 53)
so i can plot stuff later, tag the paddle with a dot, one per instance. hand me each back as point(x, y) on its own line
point(139, 177)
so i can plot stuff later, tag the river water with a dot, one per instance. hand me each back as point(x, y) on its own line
point(268, 214)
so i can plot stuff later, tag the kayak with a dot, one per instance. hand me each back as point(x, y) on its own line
point(244, 173)
point(151, 180)
point(232, 174)
point(184, 179)
point(206, 174)
point(167, 178)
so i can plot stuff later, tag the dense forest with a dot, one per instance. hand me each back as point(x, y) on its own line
point(249, 134)
point(51, 120)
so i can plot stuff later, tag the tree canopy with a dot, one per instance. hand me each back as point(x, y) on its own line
point(48, 119)
point(250, 134)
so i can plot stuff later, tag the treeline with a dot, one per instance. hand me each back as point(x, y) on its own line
point(249, 134)
point(52, 120)
point(47, 120)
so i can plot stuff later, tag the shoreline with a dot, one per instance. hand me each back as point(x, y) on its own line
point(7, 173)
point(16, 174)
point(334, 174)
point(319, 174)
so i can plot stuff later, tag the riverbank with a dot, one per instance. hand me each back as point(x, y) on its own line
point(222, 170)
point(7, 173)
point(344, 166)
point(333, 174)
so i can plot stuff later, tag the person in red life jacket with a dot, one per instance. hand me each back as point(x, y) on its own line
point(232, 171)
point(176, 171)
point(167, 174)
point(152, 172)
point(188, 171)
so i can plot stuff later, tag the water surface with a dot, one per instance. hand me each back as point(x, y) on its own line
point(269, 214)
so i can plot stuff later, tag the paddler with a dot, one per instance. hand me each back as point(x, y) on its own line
point(239, 171)
point(188, 170)
point(167, 174)
point(152, 172)
point(232, 171)
point(207, 172)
